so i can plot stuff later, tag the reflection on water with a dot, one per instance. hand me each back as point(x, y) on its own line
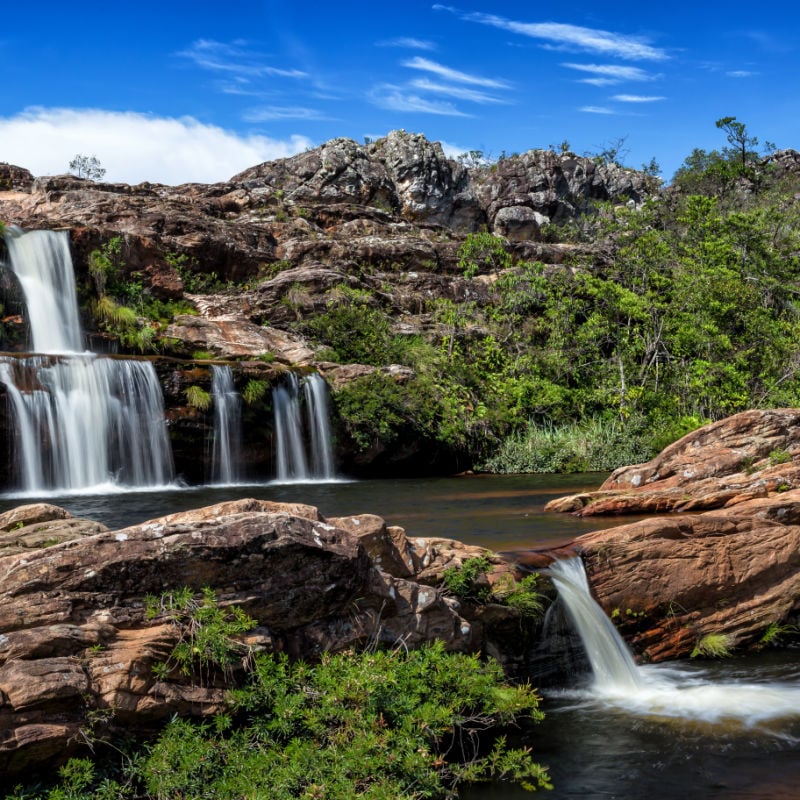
point(500, 512)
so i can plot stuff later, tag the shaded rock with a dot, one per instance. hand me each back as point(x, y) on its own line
point(14, 178)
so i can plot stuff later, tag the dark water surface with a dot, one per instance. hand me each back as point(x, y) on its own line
point(593, 752)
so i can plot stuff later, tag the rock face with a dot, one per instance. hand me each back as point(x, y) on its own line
point(78, 650)
point(751, 454)
point(670, 581)
point(733, 570)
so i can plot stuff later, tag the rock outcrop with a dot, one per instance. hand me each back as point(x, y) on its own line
point(752, 454)
point(79, 650)
point(731, 571)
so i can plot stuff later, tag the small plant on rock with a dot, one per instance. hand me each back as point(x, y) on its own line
point(713, 645)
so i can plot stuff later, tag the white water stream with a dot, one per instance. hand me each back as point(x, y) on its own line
point(295, 429)
point(661, 691)
point(227, 445)
point(83, 423)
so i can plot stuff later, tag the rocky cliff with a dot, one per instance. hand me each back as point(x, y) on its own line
point(256, 257)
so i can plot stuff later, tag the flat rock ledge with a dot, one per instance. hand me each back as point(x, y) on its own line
point(79, 653)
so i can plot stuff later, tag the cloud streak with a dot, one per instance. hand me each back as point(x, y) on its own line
point(409, 42)
point(397, 98)
point(565, 36)
point(596, 110)
point(637, 98)
point(136, 147)
point(457, 92)
point(609, 74)
point(234, 59)
point(426, 65)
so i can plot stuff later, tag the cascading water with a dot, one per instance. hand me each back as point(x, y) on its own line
point(656, 690)
point(291, 461)
point(43, 265)
point(315, 391)
point(226, 451)
point(81, 421)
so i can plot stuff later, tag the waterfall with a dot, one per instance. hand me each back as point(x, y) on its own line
point(81, 421)
point(226, 452)
point(315, 391)
point(291, 460)
point(610, 659)
point(660, 691)
point(42, 263)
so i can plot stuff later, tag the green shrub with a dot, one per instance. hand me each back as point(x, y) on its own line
point(198, 398)
point(713, 645)
point(255, 391)
point(384, 725)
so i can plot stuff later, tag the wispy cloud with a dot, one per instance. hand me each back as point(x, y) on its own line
point(609, 74)
point(574, 37)
point(741, 73)
point(637, 98)
point(409, 42)
point(235, 58)
point(596, 110)
point(267, 113)
point(458, 92)
point(426, 65)
point(397, 98)
point(136, 147)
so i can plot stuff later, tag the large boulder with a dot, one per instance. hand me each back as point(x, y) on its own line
point(671, 581)
point(80, 651)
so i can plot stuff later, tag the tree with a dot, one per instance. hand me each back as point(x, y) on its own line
point(87, 167)
point(740, 140)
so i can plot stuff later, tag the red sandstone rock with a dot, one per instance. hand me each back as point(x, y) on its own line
point(76, 643)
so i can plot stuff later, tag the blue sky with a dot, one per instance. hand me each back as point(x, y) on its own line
point(175, 91)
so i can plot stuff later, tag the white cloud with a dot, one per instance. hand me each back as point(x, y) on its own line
point(266, 113)
point(637, 98)
point(740, 73)
point(565, 36)
point(596, 110)
point(135, 147)
point(453, 74)
point(611, 72)
point(409, 42)
point(234, 58)
point(396, 98)
point(459, 92)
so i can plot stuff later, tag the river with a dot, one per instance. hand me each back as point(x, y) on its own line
point(593, 750)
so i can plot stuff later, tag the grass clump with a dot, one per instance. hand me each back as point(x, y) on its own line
point(593, 445)
point(713, 645)
point(198, 398)
point(255, 391)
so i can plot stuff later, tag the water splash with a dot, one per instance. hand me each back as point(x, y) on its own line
point(657, 690)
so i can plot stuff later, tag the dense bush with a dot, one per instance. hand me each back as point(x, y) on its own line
point(386, 725)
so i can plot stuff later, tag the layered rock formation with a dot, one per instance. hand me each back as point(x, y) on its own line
point(79, 651)
point(732, 571)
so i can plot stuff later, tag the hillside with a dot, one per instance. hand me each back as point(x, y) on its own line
point(449, 306)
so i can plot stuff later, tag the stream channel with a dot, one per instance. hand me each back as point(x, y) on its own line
point(593, 749)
